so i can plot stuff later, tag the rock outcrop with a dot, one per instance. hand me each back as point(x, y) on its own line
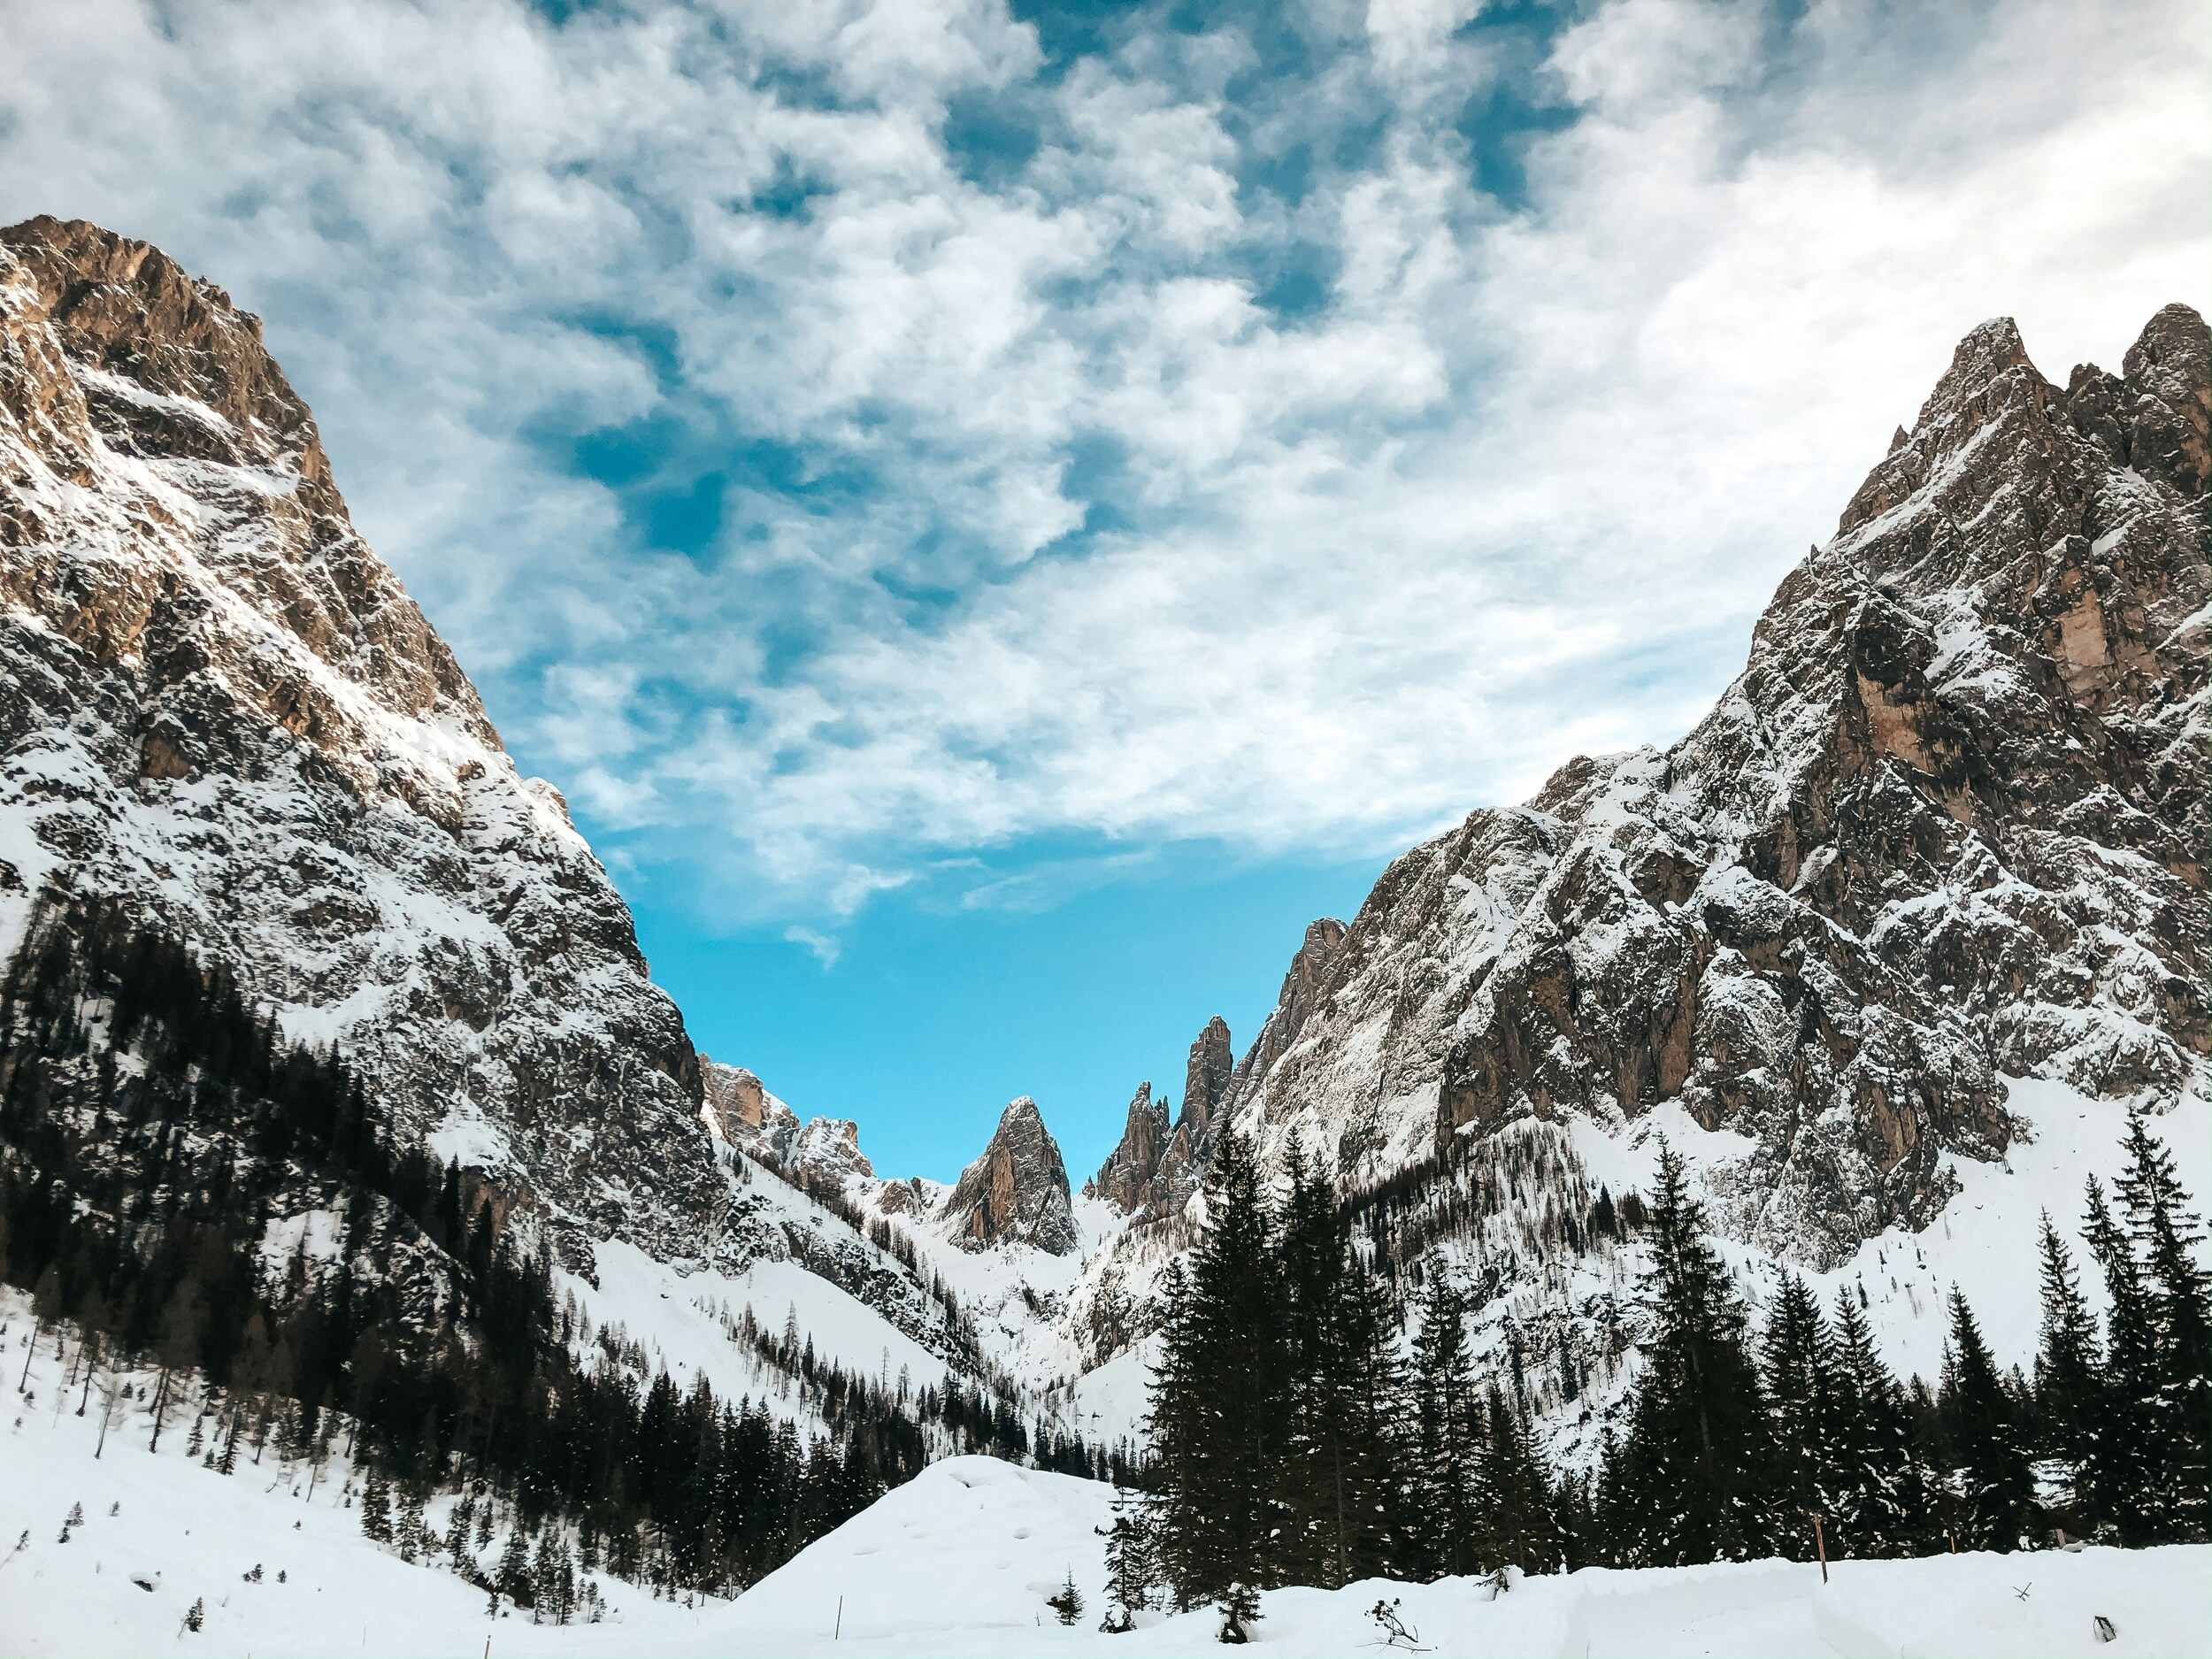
point(218, 706)
point(1125, 1181)
point(1017, 1193)
point(1948, 825)
point(746, 1115)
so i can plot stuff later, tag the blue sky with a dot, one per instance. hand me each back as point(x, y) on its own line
point(995, 516)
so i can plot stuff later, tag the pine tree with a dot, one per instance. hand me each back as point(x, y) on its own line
point(1446, 1476)
point(545, 1575)
point(2125, 1470)
point(1523, 1525)
point(1987, 1440)
point(1873, 1496)
point(456, 1530)
point(2166, 1234)
point(1362, 1382)
point(1696, 1469)
point(1129, 1571)
point(1309, 1263)
point(1067, 1603)
point(1799, 1365)
point(1218, 1424)
point(512, 1580)
point(2069, 1385)
point(376, 1506)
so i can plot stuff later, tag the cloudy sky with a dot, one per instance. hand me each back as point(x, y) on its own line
point(995, 515)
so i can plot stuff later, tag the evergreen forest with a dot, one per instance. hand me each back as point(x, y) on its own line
point(153, 1125)
point(1295, 1441)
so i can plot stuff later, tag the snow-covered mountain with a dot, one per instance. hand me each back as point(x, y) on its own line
point(218, 707)
point(1883, 943)
point(1948, 823)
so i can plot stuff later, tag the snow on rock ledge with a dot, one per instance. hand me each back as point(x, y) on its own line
point(219, 706)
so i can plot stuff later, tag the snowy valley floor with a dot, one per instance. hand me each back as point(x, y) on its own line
point(958, 1562)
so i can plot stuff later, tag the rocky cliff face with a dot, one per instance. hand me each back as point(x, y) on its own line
point(1017, 1193)
point(218, 705)
point(757, 1123)
point(1948, 824)
point(1153, 1172)
point(1125, 1181)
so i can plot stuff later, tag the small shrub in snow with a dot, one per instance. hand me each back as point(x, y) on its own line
point(196, 1615)
point(1396, 1631)
point(1240, 1611)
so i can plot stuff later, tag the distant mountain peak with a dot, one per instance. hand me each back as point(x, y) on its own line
point(1017, 1193)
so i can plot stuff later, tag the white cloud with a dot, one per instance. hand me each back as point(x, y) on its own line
point(1515, 488)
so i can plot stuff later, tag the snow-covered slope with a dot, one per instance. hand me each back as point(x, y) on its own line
point(1897, 932)
point(219, 706)
point(958, 1561)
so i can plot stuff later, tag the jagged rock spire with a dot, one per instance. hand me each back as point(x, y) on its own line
point(1124, 1180)
point(1213, 1062)
point(1017, 1193)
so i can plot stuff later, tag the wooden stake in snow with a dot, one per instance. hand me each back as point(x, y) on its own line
point(1820, 1547)
point(838, 1630)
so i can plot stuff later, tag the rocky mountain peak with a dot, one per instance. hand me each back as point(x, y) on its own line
point(1947, 827)
point(220, 708)
point(1126, 1179)
point(1017, 1193)
point(1206, 1078)
point(742, 1112)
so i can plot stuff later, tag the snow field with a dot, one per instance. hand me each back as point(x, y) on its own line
point(956, 1563)
point(192, 1533)
point(676, 1319)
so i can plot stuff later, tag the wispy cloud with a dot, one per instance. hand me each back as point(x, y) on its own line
point(838, 435)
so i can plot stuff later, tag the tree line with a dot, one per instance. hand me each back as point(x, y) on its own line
point(1297, 1439)
point(154, 1124)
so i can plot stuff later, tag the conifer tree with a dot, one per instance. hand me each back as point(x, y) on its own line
point(376, 1510)
point(1360, 1386)
point(2125, 1472)
point(2069, 1385)
point(1446, 1476)
point(1696, 1469)
point(1129, 1571)
point(1997, 1487)
point(1873, 1494)
point(512, 1580)
point(1799, 1363)
point(1523, 1525)
point(1343, 1498)
point(545, 1575)
point(1218, 1424)
point(2165, 1235)
point(1308, 1255)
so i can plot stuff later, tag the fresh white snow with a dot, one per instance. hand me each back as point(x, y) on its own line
point(957, 1561)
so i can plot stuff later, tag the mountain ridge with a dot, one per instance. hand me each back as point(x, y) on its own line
point(1943, 833)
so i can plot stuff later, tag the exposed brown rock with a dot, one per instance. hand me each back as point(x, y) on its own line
point(1017, 1193)
point(263, 747)
point(1125, 1181)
